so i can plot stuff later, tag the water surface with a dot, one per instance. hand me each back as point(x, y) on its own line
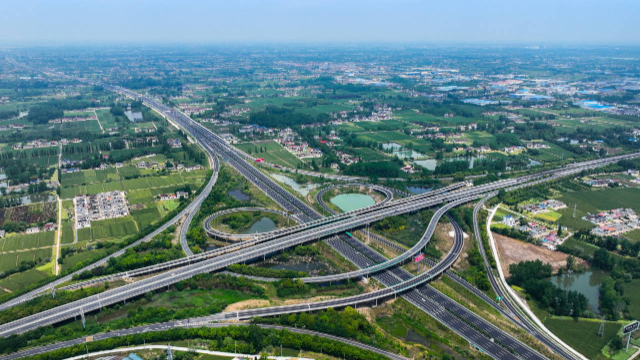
point(349, 202)
point(586, 283)
point(300, 189)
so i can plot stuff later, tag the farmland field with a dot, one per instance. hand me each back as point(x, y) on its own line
point(633, 235)
point(145, 217)
point(585, 248)
point(554, 153)
point(113, 228)
point(550, 216)
point(27, 241)
point(583, 334)
point(19, 280)
point(633, 287)
point(595, 200)
point(139, 197)
point(368, 155)
point(106, 119)
point(11, 260)
point(68, 235)
point(74, 259)
point(273, 153)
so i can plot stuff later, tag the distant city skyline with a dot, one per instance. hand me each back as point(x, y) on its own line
point(540, 22)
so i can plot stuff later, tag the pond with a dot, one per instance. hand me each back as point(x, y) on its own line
point(431, 164)
point(586, 283)
point(534, 163)
point(349, 202)
point(402, 152)
point(418, 189)
point(239, 195)
point(300, 189)
point(36, 198)
point(263, 225)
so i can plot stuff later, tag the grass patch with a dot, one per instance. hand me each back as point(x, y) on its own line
point(582, 334)
point(550, 216)
point(632, 289)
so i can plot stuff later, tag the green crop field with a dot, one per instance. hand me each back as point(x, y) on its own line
point(273, 153)
point(480, 136)
point(569, 221)
point(113, 228)
point(27, 241)
point(633, 235)
point(165, 207)
point(350, 127)
point(76, 258)
point(68, 235)
point(128, 171)
point(9, 261)
point(20, 280)
point(388, 136)
point(135, 184)
point(582, 335)
point(554, 153)
point(146, 217)
point(596, 200)
point(139, 197)
point(550, 216)
point(106, 119)
point(84, 234)
point(585, 248)
point(367, 155)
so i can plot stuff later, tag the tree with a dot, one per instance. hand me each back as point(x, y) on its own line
point(571, 261)
point(602, 259)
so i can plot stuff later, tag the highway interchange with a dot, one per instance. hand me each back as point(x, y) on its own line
point(476, 330)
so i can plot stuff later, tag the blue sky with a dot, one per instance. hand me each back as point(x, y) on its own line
point(443, 21)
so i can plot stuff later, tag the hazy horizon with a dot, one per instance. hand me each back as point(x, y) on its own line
point(459, 22)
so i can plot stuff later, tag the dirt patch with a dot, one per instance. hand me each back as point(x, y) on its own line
point(512, 251)
point(247, 304)
point(444, 241)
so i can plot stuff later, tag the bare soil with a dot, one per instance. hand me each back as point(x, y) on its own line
point(247, 304)
point(444, 240)
point(512, 251)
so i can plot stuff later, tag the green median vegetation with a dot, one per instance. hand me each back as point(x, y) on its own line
point(265, 272)
point(243, 339)
point(203, 294)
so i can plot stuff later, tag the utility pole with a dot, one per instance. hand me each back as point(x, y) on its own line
point(601, 330)
point(84, 322)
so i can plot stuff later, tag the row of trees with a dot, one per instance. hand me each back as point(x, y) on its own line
point(53, 109)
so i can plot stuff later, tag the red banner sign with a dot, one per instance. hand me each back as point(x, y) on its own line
point(418, 258)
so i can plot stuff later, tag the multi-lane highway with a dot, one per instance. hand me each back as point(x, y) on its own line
point(185, 324)
point(497, 343)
